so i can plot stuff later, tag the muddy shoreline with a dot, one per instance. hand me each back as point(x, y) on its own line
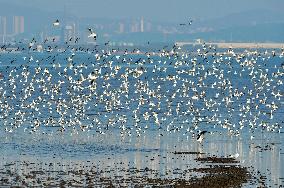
point(219, 172)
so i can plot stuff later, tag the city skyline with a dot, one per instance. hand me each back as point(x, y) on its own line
point(139, 30)
point(138, 22)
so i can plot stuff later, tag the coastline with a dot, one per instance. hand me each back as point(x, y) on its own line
point(235, 44)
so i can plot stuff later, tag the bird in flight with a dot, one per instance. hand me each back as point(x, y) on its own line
point(200, 136)
point(92, 34)
point(189, 23)
point(56, 23)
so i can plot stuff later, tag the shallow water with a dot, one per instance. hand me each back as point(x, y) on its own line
point(115, 155)
point(118, 138)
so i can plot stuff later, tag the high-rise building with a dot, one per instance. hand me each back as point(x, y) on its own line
point(3, 25)
point(18, 24)
point(142, 25)
point(16, 28)
point(22, 24)
point(135, 27)
point(3, 28)
point(121, 28)
point(70, 33)
point(148, 27)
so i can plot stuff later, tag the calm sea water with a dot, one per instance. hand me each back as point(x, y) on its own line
point(180, 94)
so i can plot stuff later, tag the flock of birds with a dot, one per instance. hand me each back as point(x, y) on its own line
point(172, 90)
point(91, 35)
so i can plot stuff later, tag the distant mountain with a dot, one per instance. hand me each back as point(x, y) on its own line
point(247, 18)
point(270, 32)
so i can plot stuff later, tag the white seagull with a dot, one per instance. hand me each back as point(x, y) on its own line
point(92, 34)
point(56, 23)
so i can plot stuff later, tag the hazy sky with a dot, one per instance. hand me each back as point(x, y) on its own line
point(157, 10)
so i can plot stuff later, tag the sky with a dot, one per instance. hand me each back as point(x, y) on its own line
point(155, 10)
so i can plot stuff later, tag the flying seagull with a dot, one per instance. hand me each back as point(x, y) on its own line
point(56, 23)
point(92, 34)
point(200, 136)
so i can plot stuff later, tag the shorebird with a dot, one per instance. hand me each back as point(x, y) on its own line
point(200, 137)
point(235, 155)
point(92, 34)
point(56, 23)
point(92, 77)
